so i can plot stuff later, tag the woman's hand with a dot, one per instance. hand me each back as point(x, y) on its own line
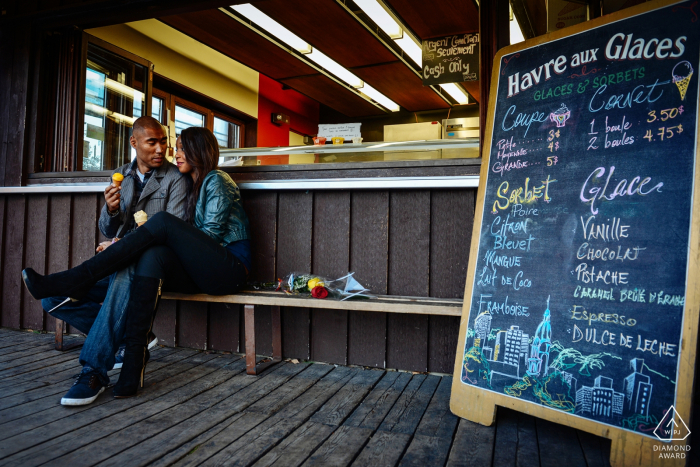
point(103, 246)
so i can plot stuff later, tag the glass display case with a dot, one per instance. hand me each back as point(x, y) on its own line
point(351, 152)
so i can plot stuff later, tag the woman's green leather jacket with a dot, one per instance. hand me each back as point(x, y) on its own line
point(219, 212)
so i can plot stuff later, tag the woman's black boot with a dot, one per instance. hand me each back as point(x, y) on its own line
point(77, 282)
point(140, 313)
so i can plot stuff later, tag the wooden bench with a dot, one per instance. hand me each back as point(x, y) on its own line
point(383, 303)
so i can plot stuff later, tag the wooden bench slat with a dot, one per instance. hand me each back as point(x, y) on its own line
point(386, 304)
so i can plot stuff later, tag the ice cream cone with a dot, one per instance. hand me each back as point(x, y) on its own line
point(682, 73)
point(140, 217)
point(117, 179)
point(683, 85)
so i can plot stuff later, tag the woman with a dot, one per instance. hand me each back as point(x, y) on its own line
point(209, 257)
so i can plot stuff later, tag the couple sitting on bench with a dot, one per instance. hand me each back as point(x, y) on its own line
point(194, 241)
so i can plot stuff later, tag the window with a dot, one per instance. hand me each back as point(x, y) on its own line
point(116, 89)
point(177, 114)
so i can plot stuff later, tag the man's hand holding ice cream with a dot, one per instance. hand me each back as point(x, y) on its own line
point(112, 195)
point(140, 218)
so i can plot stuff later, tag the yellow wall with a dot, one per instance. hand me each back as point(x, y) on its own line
point(188, 62)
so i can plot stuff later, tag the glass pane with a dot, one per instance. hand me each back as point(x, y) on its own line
point(157, 109)
point(114, 99)
point(226, 134)
point(185, 118)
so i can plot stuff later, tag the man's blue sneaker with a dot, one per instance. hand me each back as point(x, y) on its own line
point(119, 357)
point(86, 388)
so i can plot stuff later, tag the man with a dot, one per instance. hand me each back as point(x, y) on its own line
point(151, 184)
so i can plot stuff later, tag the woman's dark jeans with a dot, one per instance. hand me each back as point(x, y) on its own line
point(188, 260)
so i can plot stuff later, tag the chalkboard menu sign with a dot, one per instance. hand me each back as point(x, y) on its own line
point(577, 291)
point(451, 59)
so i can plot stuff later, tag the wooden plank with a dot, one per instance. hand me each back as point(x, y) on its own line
point(35, 256)
point(295, 221)
point(340, 406)
point(384, 303)
point(329, 331)
point(331, 233)
point(331, 259)
point(42, 419)
point(369, 231)
point(261, 208)
point(367, 338)
point(341, 447)
point(472, 445)
point(202, 412)
point(451, 221)
point(224, 447)
point(296, 328)
point(516, 440)
point(433, 437)
point(3, 217)
point(380, 401)
point(444, 333)
point(409, 243)
point(268, 434)
point(385, 449)
point(295, 448)
point(165, 324)
point(406, 414)
point(192, 325)
point(58, 250)
point(409, 255)
point(67, 434)
point(224, 327)
point(14, 257)
point(263, 330)
point(83, 240)
point(558, 445)
point(407, 342)
point(597, 450)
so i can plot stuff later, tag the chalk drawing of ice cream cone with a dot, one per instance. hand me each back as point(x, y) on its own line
point(682, 73)
point(560, 116)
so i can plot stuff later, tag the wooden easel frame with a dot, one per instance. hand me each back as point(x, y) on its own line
point(479, 405)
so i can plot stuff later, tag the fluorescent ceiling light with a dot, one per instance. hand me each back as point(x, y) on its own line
point(411, 49)
point(456, 92)
point(273, 27)
point(389, 25)
point(332, 66)
point(380, 17)
point(379, 97)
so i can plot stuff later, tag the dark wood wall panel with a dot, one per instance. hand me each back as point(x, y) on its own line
point(451, 220)
point(261, 208)
point(36, 240)
point(83, 240)
point(192, 324)
point(58, 250)
point(165, 324)
point(397, 242)
point(409, 268)
point(330, 258)
point(369, 259)
point(294, 235)
point(14, 258)
point(224, 327)
point(3, 211)
point(14, 77)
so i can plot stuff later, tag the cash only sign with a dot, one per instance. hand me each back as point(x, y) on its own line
point(580, 302)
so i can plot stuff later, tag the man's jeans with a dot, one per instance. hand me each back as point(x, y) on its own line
point(104, 325)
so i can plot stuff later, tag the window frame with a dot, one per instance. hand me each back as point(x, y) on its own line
point(80, 119)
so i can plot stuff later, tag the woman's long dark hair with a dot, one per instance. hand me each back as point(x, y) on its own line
point(202, 153)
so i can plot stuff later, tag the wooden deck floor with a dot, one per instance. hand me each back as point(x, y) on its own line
point(200, 408)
